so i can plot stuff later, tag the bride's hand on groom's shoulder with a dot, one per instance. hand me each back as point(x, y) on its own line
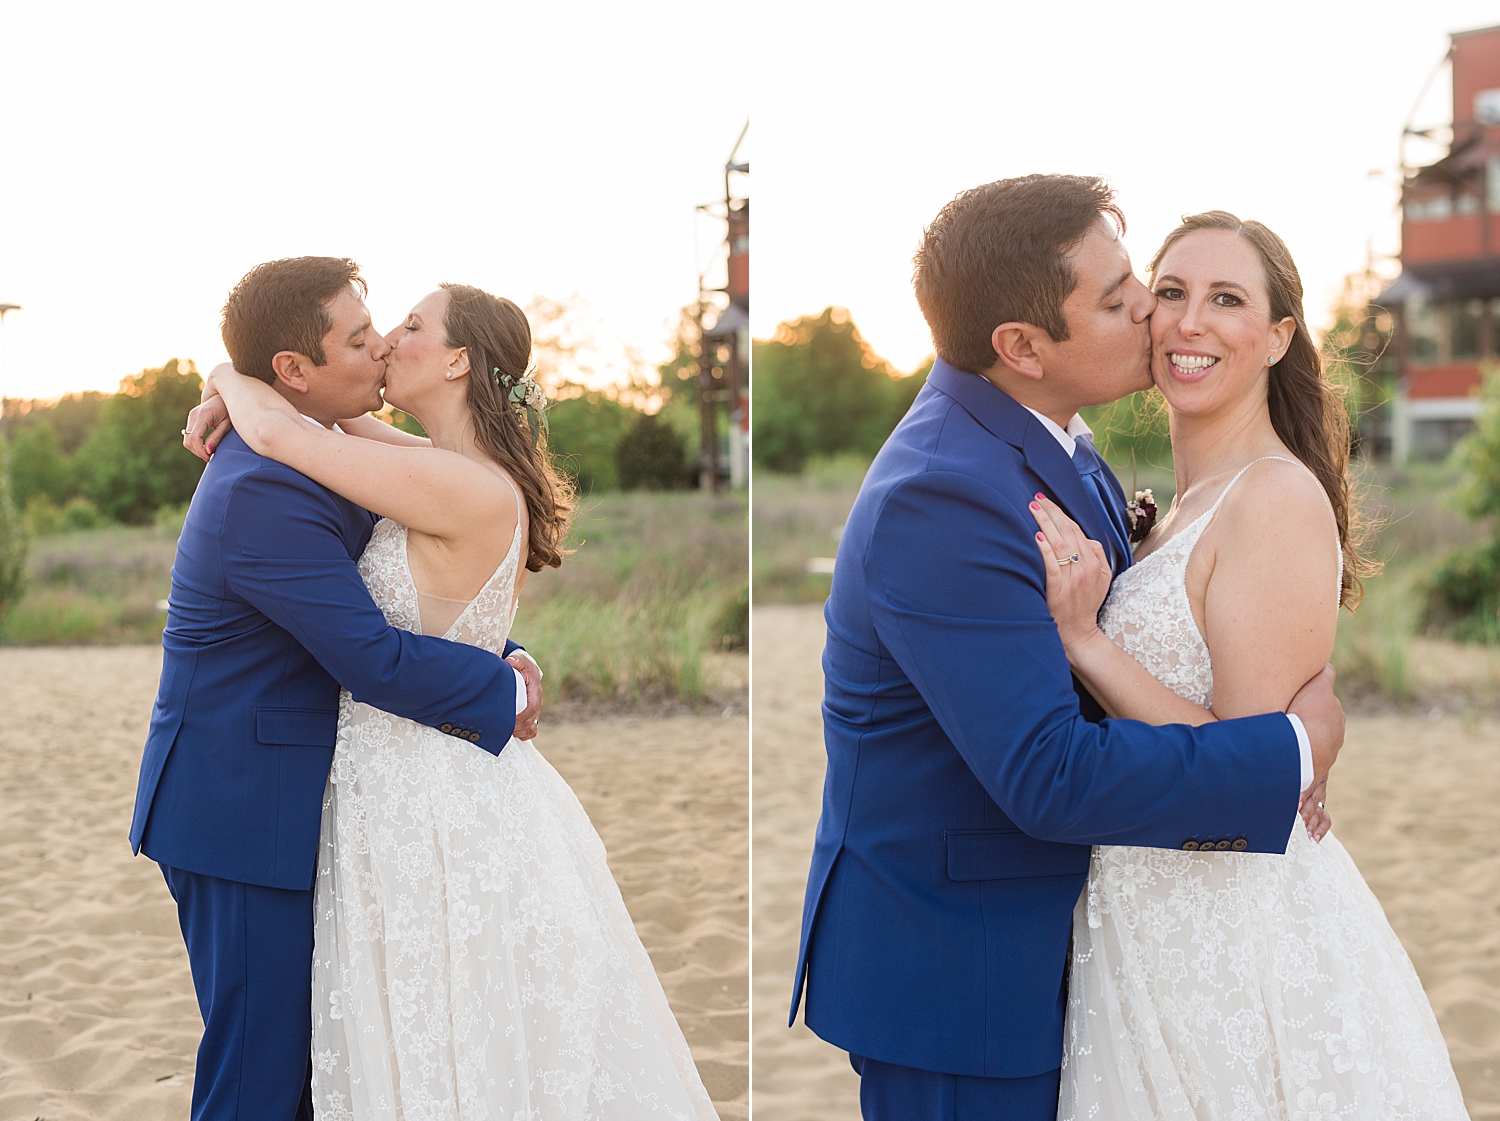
point(207, 424)
point(1077, 570)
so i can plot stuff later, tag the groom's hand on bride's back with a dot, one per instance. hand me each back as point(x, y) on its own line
point(526, 719)
point(1323, 717)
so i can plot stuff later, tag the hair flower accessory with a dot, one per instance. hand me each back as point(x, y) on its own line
point(527, 400)
point(1142, 515)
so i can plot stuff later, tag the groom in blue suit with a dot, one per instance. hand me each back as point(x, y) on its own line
point(268, 618)
point(968, 774)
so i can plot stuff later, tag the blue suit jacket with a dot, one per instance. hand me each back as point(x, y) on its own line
point(268, 617)
point(964, 787)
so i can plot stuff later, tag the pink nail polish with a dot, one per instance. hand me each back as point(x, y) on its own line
point(1036, 505)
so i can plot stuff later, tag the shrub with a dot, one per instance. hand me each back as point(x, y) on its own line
point(40, 467)
point(651, 455)
point(42, 517)
point(80, 513)
point(733, 623)
point(169, 519)
point(1463, 595)
point(12, 540)
point(583, 433)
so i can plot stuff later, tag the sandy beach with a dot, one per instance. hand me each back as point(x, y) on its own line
point(1415, 799)
point(97, 1015)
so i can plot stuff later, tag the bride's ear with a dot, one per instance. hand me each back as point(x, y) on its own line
point(1281, 337)
point(458, 365)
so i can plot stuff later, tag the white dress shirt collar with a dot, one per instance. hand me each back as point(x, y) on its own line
point(1067, 438)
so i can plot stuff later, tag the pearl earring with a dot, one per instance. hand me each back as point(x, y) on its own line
point(1271, 361)
point(449, 375)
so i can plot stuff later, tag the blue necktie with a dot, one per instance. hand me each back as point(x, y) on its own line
point(1086, 459)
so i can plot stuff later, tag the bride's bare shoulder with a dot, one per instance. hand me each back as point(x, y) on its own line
point(1278, 507)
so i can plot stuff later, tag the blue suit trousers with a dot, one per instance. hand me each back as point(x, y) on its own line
point(251, 951)
point(888, 1092)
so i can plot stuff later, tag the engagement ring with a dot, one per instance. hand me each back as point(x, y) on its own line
point(1069, 560)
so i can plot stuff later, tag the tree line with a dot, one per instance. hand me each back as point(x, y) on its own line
point(92, 458)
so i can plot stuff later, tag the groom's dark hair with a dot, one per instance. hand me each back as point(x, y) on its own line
point(998, 254)
point(283, 305)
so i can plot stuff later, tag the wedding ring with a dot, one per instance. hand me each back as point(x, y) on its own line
point(1320, 805)
point(184, 431)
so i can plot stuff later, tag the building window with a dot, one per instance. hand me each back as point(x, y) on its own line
point(1465, 327)
point(1487, 107)
point(1438, 208)
point(1421, 329)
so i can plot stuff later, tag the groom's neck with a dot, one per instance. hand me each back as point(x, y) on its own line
point(313, 409)
point(1034, 393)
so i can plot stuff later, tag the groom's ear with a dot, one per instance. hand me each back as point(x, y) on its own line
point(1015, 348)
point(291, 369)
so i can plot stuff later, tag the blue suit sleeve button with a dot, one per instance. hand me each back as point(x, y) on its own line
point(1222, 846)
point(1240, 844)
point(1189, 846)
point(445, 727)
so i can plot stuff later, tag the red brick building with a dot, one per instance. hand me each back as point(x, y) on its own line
point(1447, 299)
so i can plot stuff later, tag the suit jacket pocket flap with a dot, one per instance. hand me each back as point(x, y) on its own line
point(995, 854)
point(312, 727)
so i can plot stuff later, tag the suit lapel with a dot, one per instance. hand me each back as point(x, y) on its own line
point(1047, 459)
point(998, 412)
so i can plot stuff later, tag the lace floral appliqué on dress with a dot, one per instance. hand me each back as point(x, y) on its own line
point(474, 960)
point(1236, 986)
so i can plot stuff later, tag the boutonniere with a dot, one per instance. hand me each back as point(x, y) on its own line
point(1142, 515)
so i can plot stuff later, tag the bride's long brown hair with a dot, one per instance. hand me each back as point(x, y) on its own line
point(1306, 411)
point(497, 336)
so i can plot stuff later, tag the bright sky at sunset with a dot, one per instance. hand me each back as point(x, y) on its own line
point(870, 117)
point(151, 153)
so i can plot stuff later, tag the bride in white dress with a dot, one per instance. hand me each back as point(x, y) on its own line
point(1207, 983)
point(473, 958)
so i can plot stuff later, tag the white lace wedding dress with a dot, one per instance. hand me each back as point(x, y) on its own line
point(474, 960)
point(1236, 986)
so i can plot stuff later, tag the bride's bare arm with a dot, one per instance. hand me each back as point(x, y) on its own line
point(1075, 592)
point(428, 489)
point(1269, 610)
point(370, 427)
point(209, 422)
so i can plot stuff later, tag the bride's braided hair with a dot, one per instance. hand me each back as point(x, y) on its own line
point(497, 336)
point(1306, 411)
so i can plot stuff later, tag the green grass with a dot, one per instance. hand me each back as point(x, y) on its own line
point(94, 586)
point(656, 585)
point(798, 518)
point(1413, 526)
point(655, 588)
